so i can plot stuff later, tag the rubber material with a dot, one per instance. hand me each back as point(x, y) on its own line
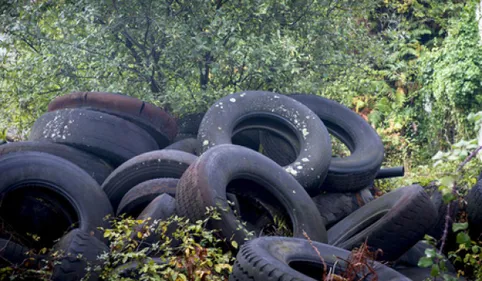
point(274, 112)
point(282, 258)
point(77, 244)
point(152, 165)
point(118, 141)
point(474, 210)
point(189, 145)
point(205, 182)
point(94, 166)
point(154, 120)
point(347, 174)
point(333, 207)
point(394, 223)
point(29, 169)
point(142, 194)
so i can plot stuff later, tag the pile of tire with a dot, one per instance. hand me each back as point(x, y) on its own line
point(255, 155)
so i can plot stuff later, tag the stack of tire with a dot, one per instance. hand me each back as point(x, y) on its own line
point(95, 155)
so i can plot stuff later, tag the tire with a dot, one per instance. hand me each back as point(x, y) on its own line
point(78, 250)
point(80, 128)
point(333, 207)
point(36, 170)
point(439, 226)
point(94, 166)
point(189, 145)
point(347, 174)
point(204, 184)
point(152, 165)
point(412, 256)
point(474, 210)
point(277, 113)
point(247, 138)
point(129, 270)
point(394, 223)
point(422, 274)
point(142, 194)
point(161, 208)
point(282, 258)
point(154, 120)
point(12, 253)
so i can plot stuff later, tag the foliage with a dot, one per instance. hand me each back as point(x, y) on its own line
point(180, 54)
point(184, 251)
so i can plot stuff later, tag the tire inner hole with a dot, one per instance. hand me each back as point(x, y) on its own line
point(314, 270)
point(269, 135)
point(261, 211)
point(35, 216)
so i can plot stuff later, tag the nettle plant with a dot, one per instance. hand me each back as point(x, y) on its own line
point(454, 185)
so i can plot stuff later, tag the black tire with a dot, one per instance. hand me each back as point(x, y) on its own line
point(247, 138)
point(152, 165)
point(412, 256)
point(189, 145)
point(161, 208)
point(78, 250)
point(142, 194)
point(474, 210)
point(437, 230)
point(12, 253)
point(277, 113)
point(333, 207)
point(130, 269)
point(94, 166)
point(204, 184)
point(394, 223)
point(154, 120)
point(118, 141)
point(281, 258)
point(422, 274)
point(37, 170)
point(349, 173)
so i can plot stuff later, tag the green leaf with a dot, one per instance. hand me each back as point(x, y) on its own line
point(425, 262)
point(435, 270)
point(430, 253)
point(463, 238)
point(235, 244)
point(447, 181)
point(456, 227)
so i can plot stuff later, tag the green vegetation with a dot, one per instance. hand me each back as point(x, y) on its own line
point(412, 68)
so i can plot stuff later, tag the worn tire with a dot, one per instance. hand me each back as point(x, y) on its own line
point(413, 255)
point(80, 128)
point(474, 210)
point(280, 114)
point(333, 207)
point(346, 174)
point(437, 230)
point(204, 184)
point(94, 166)
point(142, 194)
point(39, 170)
point(77, 243)
point(12, 253)
point(152, 165)
point(154, 120)
point(422, 274)
point(161, 208)
point(394, 223)
point(189, 145)
point(282, 258)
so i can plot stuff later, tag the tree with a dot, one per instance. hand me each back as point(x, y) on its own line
point(179, 54)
